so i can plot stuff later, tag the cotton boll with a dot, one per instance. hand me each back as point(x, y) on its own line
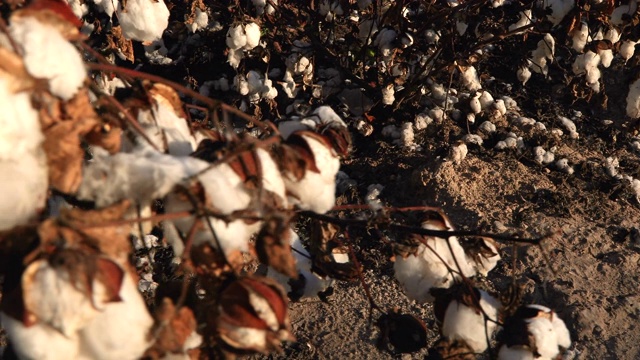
point(407, 136)
point(431, 36)
point(473, 139)
point(470, 79)
point(421, 121)
point(620, 11)
point(27, 341)
point(388, 94)
point(627, 48)
point(143, 20)
point(252, 33)
point(468, 324)
point(236, 37)
point(121, 330)
point(500, 107)
point(570, 126)
point(23, 164)
point(510, 103)
point(200, 22)
point(486, 100)
point(241, 84)
point(461, 27)
point(524, 74)
point(515, 353)
point(633, 100)
point(458, 152)
point(487, 127)
point(580, 37)
point(367, 30)
point(423, 270)
point(606, 56)
point(542, 156)
point(385, 41)
point(79, 9)
point(48, 55)
point(474, 104)
point(612, 35)
point(437, 114)
point(563, 165)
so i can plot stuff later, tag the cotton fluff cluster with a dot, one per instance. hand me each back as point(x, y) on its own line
point(75, 326)
point(545, 335)
point(143, 20)
point(255, 86)
point(240, 38)
point(542, 55)
point(47, 54)
point(439, 262)
point(587, 64)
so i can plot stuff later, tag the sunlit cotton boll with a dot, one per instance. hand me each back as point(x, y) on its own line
point(580, 36)
point(143, 20)
point(236, 37)
point(48, 55)
point(468, 324)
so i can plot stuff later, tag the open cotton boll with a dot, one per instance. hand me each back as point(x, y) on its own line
point(252, 32)
point(385, 40)
point(627, 48)
point(200, 22)
point(48, 55)
point(28, 340)
point(329, 9)
point(23, 164)
point(546, 330)
point(313, 283)
point(418, 273)
point(79, 9)
point(121, 330)
point(470, 79)
point(580, 36)
point(388, 94)
point(570, 126)
point(633, 100)
point(542, 156)
point(263, 7)
point(620, 11)
point(315, 191)
point(236, 37)
point(486, 100)
point(516, 353)
point(524, 74)
point(542, 54)
point(468, 324)
point(606, 56)
point(143, 20)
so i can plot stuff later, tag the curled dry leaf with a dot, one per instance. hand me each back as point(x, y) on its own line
point(252, 315)
point(119, 45)
point(272, 246)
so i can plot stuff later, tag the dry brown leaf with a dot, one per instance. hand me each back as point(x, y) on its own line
point(118, 43)
point(273, 247)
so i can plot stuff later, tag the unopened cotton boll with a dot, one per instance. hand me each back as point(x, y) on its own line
point(633, 100)
point(48, 55)
point(143, 20)
point(468, 324)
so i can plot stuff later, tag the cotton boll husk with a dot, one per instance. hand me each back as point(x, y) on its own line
point(121, 330)
point(467, 324)
point(28, 341)
point(315, 191)
point(48, 55)
point(143, 20)
point(23, 164)
point(633, 100)
point(252, 32)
